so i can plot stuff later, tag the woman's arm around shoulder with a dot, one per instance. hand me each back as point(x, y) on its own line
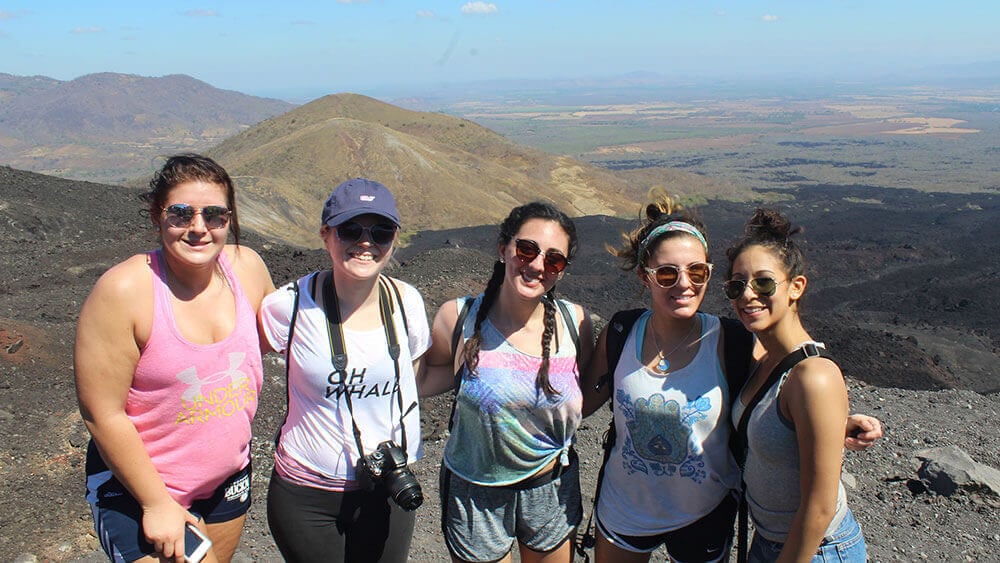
point(437, 374)
point(114, 323)
point(814, 397)
point(597, 367)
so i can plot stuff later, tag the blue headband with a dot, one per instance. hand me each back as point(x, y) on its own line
point(669, 227)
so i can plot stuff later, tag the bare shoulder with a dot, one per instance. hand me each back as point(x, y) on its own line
point(447, 313)
point(251, 270)
point(125, 279)
point(121, 300)
point(244, 258)
point(816, 377)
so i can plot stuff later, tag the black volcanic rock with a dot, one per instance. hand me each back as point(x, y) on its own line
point(904, 293)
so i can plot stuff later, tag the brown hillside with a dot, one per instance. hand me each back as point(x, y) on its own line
point(444, 171)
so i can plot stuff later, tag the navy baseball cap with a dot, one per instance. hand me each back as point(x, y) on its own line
point(359, 196)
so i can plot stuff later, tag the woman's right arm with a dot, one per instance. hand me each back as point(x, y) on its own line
point(437, 374)
point(596, 368)
point(105, 357)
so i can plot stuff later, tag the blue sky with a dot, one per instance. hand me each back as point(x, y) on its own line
point(301, 49)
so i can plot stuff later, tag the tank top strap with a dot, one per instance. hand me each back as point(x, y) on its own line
point(163, 316)
point(234, 283)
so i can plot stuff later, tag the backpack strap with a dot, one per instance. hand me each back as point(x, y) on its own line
point(574, 334)
point(456, 336)
point(619, 326)
point(614, 342)
point(737, 355)
point(738, 440)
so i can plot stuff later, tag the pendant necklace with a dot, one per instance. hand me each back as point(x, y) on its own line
point(663, 364)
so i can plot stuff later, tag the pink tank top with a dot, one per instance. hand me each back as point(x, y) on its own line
point(193, 403)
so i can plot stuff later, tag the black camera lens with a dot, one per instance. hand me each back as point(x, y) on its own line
point(405, 490)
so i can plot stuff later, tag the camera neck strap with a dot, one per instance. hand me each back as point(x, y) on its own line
point(338, 350)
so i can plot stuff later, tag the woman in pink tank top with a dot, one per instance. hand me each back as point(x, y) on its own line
point(168, 370)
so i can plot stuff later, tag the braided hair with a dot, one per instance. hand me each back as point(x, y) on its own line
point(770, 229)
point(635, 248)
point(508, 228)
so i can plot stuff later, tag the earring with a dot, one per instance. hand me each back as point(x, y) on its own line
point(501, 261)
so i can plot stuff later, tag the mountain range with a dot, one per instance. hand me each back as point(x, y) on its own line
point(107, 127)
point(445, 171)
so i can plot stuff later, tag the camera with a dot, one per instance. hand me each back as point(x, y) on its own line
point(387, 466)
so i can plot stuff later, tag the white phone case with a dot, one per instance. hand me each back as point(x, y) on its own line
point(196, 544)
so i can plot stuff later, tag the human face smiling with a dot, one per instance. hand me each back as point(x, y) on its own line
point(533, 278)
point(359, 257)
point(761, 312)
point(194, 244)
point(683, 299)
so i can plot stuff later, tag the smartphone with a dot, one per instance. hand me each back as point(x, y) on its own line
point(196, 543)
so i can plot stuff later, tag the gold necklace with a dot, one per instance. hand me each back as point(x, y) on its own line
point(663, 364)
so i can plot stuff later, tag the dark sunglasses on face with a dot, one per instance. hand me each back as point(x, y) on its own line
point(380, 233)
point(180, 215)
point(667, 275)
point(527, 250)
point(763, 287)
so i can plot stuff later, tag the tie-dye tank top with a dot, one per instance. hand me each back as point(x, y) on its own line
point(504, 428)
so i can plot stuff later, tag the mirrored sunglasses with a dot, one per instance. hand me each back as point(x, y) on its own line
point(351, 232)
point(667, 275)
point(763, 287)
point(527, 250)
point(180, 215)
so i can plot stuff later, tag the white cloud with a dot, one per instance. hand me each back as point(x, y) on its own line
point(352, 1)
point(480, 7)
point(5, 15)
point(200, 13)
point(425, 14)
point(87, 30)
point(303, 22)
point(720, 13)
point(769, 18)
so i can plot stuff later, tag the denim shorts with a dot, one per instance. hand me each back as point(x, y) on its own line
point(846, 544)
point(481, 523)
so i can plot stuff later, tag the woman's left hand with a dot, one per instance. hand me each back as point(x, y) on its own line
point(862, 432)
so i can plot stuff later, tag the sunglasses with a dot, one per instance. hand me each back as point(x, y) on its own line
point(180, 215)
point(527, 250)
point(380, 233)
point(763, 287)
point(667, 275)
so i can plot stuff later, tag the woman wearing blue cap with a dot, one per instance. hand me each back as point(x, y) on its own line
point(353, 339)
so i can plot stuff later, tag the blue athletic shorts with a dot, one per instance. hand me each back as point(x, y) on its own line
point(118, 516)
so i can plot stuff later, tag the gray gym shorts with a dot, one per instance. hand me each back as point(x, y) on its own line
point(481, 523)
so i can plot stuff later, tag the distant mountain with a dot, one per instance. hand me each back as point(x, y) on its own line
point(107, 127)
point(444, 171)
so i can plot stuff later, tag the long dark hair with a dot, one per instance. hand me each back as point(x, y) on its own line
point(517, 217)
point(191, 167)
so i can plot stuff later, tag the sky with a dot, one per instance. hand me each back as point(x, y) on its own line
point(302, 49)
